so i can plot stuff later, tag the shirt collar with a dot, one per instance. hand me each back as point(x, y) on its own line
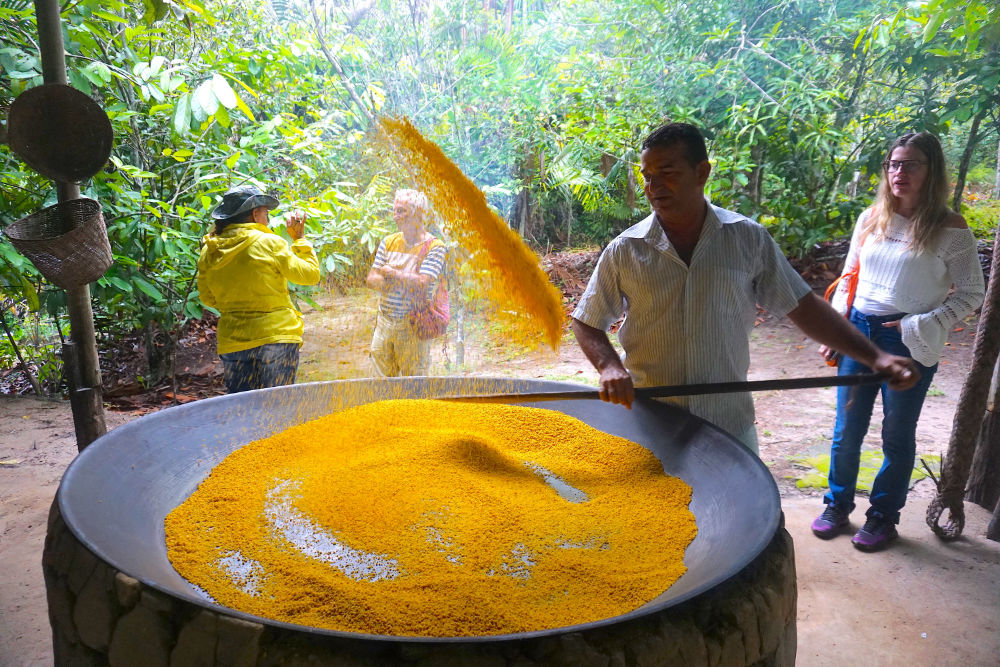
point(650, 231)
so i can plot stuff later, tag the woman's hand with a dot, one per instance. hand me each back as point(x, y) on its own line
point(892, 325)
point(295, 224)
point(389, 274)
point(827, 352)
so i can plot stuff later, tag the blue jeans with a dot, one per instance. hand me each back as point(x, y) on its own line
point(270, 365)
point(901, 409)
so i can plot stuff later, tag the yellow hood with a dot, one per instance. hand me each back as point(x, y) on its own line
point(220, 250)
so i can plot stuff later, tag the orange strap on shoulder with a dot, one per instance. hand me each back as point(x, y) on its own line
point(853, 276)
point(852, 286)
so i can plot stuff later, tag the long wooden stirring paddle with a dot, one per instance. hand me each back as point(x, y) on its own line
point(681, 389)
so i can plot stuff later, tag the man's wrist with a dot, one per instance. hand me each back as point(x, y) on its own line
point(871, 357)
point(610, 363)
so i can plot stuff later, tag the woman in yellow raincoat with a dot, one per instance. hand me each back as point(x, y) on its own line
point(243, 272)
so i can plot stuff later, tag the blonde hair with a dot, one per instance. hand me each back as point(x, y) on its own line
point(414, 198)
point(932, 210)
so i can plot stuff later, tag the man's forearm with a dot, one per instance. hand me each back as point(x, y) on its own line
point(615, 381)
point(818, 320)
point(596, 346)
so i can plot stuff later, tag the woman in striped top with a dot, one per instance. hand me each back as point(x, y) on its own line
point(407, 267)
point(919, 275)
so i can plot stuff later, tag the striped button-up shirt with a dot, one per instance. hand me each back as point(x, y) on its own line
point(691, 324)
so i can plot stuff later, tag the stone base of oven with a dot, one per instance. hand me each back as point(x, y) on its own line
point(101, 616)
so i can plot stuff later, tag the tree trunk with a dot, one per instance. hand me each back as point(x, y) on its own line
point(984, 478)
point(463, 32)
point(415, 20)
point(524, 208)
point(996, 183)
point(846, 110)
point(569, 217)
point(161, 347)
point(969, 413)
point(335, 65)
point(85, 398)
point(993, 531)
point(607, 162)
point(524, 212)
point(852, 187)
point(632, 185)
point(963, 165)
point(756, 181)
point(460, 336)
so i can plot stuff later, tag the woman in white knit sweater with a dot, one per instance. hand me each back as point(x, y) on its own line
point(919, 275)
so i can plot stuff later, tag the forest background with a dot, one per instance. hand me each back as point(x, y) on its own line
point(541, 103)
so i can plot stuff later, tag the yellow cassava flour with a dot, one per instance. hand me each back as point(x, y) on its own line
point(435, 518)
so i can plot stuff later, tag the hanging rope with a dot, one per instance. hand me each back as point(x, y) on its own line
point(969, 414)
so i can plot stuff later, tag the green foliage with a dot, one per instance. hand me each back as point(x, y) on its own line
point(798, 226)
point(983, 217)
point(544, 108)
point(34, 339)
point(935, 391)
point(816, 469)
point(196, 105)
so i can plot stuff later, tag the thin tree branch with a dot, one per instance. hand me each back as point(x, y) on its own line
point(336, 66)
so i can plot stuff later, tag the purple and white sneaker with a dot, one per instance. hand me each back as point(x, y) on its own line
point(831, 522)
point(876, 534)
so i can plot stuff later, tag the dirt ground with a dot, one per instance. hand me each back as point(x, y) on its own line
point(923, 602)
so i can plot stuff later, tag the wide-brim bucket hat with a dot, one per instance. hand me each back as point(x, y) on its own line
point(242, 199)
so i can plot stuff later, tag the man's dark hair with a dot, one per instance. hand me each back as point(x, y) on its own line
point(679, 133)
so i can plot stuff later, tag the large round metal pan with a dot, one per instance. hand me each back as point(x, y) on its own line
point(116, 493)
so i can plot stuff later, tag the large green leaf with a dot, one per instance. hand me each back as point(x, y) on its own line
point(182, 114)
point(223, 93)
point(29, 293)
point(147, 288)
point(204, 96)
point(108, 16)
point(933, 24)
point(154, 10)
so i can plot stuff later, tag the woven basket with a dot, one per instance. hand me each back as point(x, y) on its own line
point(67, 243)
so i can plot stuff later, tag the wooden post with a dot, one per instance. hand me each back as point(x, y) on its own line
point(85, 394)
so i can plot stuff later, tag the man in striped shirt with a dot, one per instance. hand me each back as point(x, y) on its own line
point(407, 266)
point(688, 279)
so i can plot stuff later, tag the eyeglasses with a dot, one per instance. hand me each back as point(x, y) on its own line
point(905, 166)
